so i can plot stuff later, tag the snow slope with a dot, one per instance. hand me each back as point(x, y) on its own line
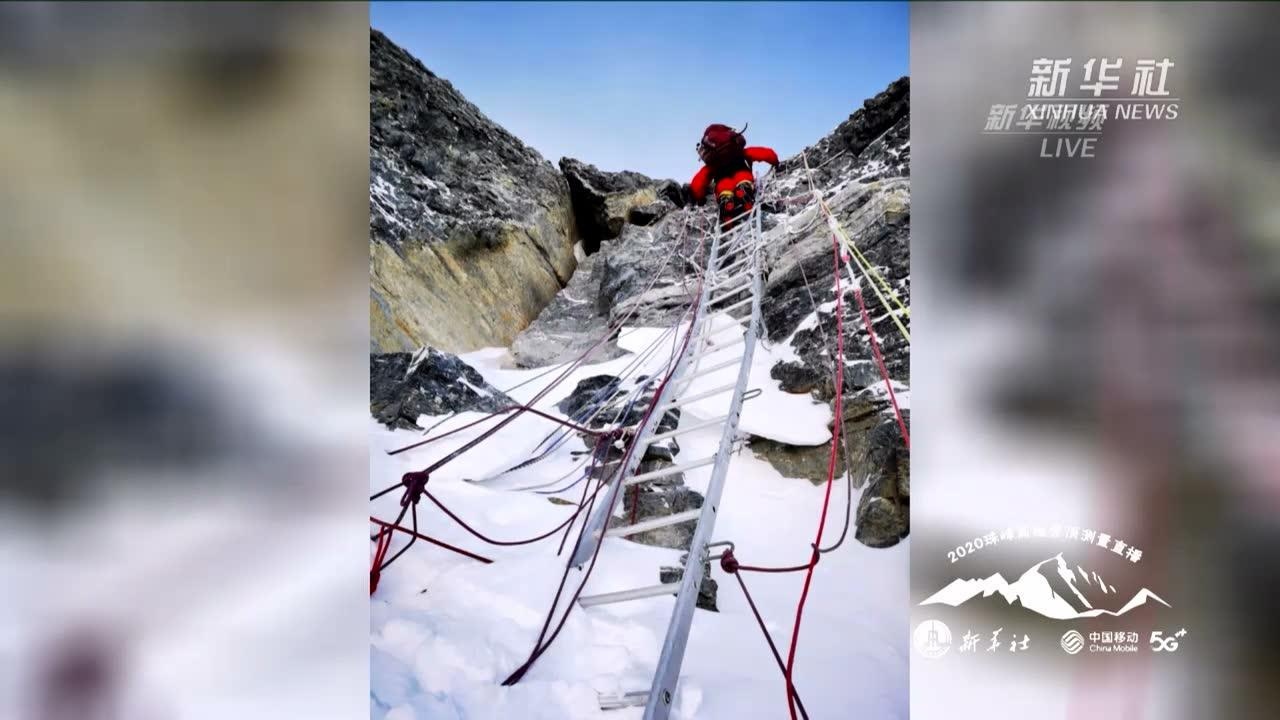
point(446, 630)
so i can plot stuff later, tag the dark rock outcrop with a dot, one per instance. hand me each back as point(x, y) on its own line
point(650, 213)
point(600, 401)
point(795, 461)
point(877, 116)
point(588, 394)
point(706, 591)
point(647, 503)
point(603, 202)
point(403, 386)
point(875, 141)
point(884, 512)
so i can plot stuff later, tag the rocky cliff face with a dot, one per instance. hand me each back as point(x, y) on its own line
point(471, 233)
point(861, 170)
point(473, 239)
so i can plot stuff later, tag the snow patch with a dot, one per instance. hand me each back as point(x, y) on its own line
point(446, 630)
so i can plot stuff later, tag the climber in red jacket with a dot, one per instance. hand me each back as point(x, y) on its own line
point(727, 165)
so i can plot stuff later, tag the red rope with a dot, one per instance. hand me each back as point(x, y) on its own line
point(490, 416)
point(504, 543)
point(493, 430)
point(599, 452)
point(558, 421)
point(831, 474)
point(379, 554)
point(730, 564)
point(759, 569)
point(415, 484)
point(540, 646)
point(884, 372)
point(413, 533)
point(454, 431)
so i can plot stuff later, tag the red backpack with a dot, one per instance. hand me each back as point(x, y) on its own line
point(722, 148)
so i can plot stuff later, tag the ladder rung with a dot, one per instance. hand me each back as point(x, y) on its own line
point(735, 306)
point(736, 242)
point(617, 701)
point(678, 402)
point(728, 295)
point(713, 368)
point(734, 265)
point(722, 346)
point(733, 278)
point(709, 332)
point(632, 594)
point(730, 246)
point(682, 430)
point(654, 524)
point(711, 345)
point(666, 471)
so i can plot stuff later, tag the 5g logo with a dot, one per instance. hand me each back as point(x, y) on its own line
point(1159, 643)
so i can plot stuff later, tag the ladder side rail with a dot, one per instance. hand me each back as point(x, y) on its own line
point(666, 676)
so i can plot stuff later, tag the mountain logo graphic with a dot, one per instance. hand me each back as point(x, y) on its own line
point(1050, 588)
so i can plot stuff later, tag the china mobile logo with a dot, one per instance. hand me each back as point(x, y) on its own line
point(1072, 642)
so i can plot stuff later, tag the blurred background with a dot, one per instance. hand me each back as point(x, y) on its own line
point(183, 212)
point(1097, 345)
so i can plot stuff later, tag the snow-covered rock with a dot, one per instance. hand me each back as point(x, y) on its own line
point(404, 386)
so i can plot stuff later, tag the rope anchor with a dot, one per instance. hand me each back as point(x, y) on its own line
point(415, 483)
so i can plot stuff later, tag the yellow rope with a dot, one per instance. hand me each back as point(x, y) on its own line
point(879, 278)
point(844, 240)
point(863, 265)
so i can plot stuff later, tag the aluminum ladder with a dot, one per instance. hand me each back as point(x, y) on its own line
point(723, 283)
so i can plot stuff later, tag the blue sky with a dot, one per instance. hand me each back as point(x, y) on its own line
point(630, 86)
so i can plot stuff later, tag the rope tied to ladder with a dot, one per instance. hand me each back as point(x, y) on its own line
point(729, 563)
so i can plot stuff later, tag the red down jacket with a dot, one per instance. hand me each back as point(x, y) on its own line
point(701, 182)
